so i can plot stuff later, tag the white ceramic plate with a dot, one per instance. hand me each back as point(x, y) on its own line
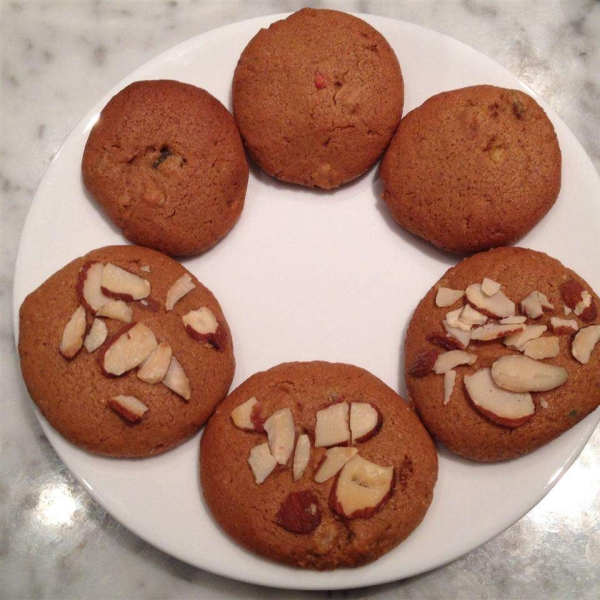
point(306, 275)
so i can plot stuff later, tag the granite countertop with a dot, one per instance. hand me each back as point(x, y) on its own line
point(58, 59)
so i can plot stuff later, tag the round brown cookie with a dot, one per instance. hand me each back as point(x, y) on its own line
point(472, 168)
point(166, 162)
point(293, 521)
point(317, 97)
point(459, 425)
point(69, 385)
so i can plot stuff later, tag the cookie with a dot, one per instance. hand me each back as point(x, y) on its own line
point(317, 465)
point(472, 169)
point(317, 97)
point(109, 367)
point(166, 162)
point(500, 356)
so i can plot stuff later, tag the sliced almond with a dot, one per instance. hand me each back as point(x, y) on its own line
point(365, 421)
point(518, 373)
point(571, 293)
point(184, 285)
point(116, 309)
point(496, 404)
point(585, 302)
point(176, 379)
point(518, 340)
point(299, 512)
point(449, 360)
point(497, 305)
point(563, 326)
point(449, 380)
point(72, 337)
point(495, 331)
point(129, 407)
point(535, 304)
point(532, 306)
point(584, 343)
point(513, 320)
point(281, 435)
point(97, 336)
point(301, 456)
point(123, 285)
point(469, 316)
point(447, 297)
point(202, 326)
point(145, 268)
point(202, 321)
point(567, 310)
point(242, 415)
point(335, 459)
point(576, 297)
point(361, 488)
point(546, 304)
point(261, 462)
point(89, 286)
point(423, 363)
point(444, 340)
point(463, 337)
point(453, 319)
point(155, 367)
point(541, 348)
point(332, 428)
point(128, 349)
point(490, 287)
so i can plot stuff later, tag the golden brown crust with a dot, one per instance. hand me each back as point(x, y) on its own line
point(72, 395)
point(248, 511)
point(166, 162)
point(458, 425)
point(472, 168)
point(317, 97)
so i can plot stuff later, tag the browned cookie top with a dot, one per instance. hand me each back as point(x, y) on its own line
point(473, 168)
point(317, 97)
point(76, 386)
point(556, 349)
point(300, 521)
point(166, 162)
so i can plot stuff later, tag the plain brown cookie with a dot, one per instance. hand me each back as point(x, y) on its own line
point(458, 425)
point(317, 97)
point(73, 394)
point(472, 168)
point(252, 514)
point(166, 162)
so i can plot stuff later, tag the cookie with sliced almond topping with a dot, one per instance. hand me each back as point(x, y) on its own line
point(317, 465)
point(109, 360)
point(513, 362)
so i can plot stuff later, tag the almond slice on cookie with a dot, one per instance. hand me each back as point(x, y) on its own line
point(129, 407)
point(176, 380)
point(183, 286)
point(73, 333)
point(122, 285)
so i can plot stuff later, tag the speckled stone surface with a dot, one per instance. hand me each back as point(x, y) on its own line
point(58, 58)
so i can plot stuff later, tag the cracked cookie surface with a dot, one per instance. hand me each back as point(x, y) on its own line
point(472, 168)
point(266, 517)
point(317, 97)
point(166, 162)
